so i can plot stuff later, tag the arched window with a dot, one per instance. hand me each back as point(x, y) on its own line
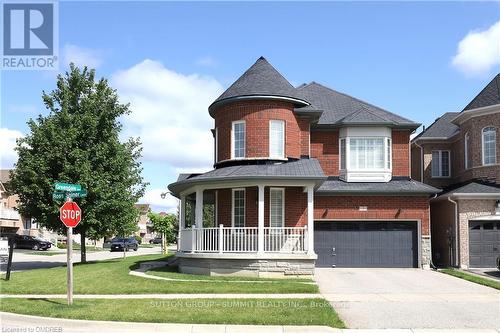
point(489, 146)
point(466, 151)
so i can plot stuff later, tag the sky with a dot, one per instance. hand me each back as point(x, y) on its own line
point(171, 60)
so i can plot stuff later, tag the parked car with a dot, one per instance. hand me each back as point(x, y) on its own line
point(30, 242)
point(498, 262)
point(124, 244)
point(156, 240)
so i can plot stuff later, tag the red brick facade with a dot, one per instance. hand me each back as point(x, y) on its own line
point(401, 153)
point(325, 147)
point(378, 207)
point(257, 115)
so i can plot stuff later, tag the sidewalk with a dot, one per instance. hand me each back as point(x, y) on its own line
point(20, 323)
point(166, 296)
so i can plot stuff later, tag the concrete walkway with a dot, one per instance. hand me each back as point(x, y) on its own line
point(167, 296)
point(22, 323)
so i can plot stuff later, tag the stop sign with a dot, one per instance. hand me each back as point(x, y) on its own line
point(70, 214)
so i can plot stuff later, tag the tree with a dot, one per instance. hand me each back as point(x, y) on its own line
point(165, 225)
point(78, 142)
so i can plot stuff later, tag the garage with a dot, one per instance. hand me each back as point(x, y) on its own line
point(366, 243)
point(484, 243)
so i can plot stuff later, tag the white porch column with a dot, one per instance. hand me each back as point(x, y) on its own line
point(182, 213)
point(260, 219)
point(198, 216)
point(310, 219)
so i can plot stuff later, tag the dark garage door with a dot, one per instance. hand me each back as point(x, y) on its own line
point(484, 243)
point(366, 244)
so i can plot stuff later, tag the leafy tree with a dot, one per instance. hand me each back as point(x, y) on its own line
point(165, 225)
point(78, 142)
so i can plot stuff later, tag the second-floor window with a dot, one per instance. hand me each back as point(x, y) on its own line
point(440, 163)
point(238, 139)
point(276, 139)
point(366, 153)
point(466, 151)
point(489, 146)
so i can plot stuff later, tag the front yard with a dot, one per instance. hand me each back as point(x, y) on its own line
point(471, 277)
point(193, 311)
point(111, 277)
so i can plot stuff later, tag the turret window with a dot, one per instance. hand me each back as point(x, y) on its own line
point(238, 139)
point(277, 139)
point(489, 146)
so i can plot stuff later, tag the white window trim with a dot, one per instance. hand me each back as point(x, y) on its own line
point(348, 157)
point(466, 151)
point(244, 205)
point(232, 140)
point(388, 142)
point(340, 153)
point(282, 190)
point(440, 165)
point(482, 146)
point(284, 138)
point(216, 145)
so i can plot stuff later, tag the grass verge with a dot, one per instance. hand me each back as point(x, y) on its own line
point(111, 277)
point(193, 311)
point(472, 278)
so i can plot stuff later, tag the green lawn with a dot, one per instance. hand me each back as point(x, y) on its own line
point(472, 278)
point(111, 277)
point(42, 253)
point(194, 311)
point(171, 272)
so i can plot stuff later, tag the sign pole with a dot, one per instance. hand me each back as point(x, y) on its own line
point(70, 265)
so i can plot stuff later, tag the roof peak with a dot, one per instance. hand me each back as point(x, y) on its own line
point(489, 95)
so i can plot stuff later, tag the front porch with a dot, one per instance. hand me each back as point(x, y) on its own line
point(248, 228)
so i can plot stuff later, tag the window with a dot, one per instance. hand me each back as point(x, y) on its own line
point(440, 163)
point(277, 207)
point(388, 152)
point(238, 208)
point(277, 139)
point(366, 153)
point(342, 154)
point(238, 139)
point(466, 151)
point(489, 146)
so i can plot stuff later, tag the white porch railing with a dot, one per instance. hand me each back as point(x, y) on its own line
point(243, 240)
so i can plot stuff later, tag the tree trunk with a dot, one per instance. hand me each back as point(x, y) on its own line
point(83, 248)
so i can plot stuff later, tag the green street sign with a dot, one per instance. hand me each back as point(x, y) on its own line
point(64, 195)
point(66, 187)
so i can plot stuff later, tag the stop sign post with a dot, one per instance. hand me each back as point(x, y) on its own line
point(70, 214)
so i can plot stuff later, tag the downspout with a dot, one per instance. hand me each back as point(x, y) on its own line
point(421, 161)
point(456, 229)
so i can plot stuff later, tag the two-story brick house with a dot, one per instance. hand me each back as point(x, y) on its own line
point(460, 154)
point(303, 177)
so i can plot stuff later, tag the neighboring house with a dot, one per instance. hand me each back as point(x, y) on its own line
point(460, 154)
point(143, 223)
point(10, 220)
point(303, 177)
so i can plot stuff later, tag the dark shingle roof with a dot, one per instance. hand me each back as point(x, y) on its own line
point(490, 95)
point(300, 169)
point(404, 186)
point(475, 187)
point(442, 127)
point(261, 79)
point(340, 109)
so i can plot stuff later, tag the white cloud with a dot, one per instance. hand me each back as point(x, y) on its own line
point(153, 197)
point(8, 155)
point(169, 113)
point(206, 61)
point(479, 51)
point(82, 56)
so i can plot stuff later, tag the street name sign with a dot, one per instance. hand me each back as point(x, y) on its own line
point(72, 195)
point(67, 187)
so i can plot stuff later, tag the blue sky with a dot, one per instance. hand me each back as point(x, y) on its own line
point(170, 60)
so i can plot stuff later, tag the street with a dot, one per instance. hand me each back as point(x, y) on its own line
point(25, 259)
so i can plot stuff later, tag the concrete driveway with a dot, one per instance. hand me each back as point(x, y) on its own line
point(408, 298)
